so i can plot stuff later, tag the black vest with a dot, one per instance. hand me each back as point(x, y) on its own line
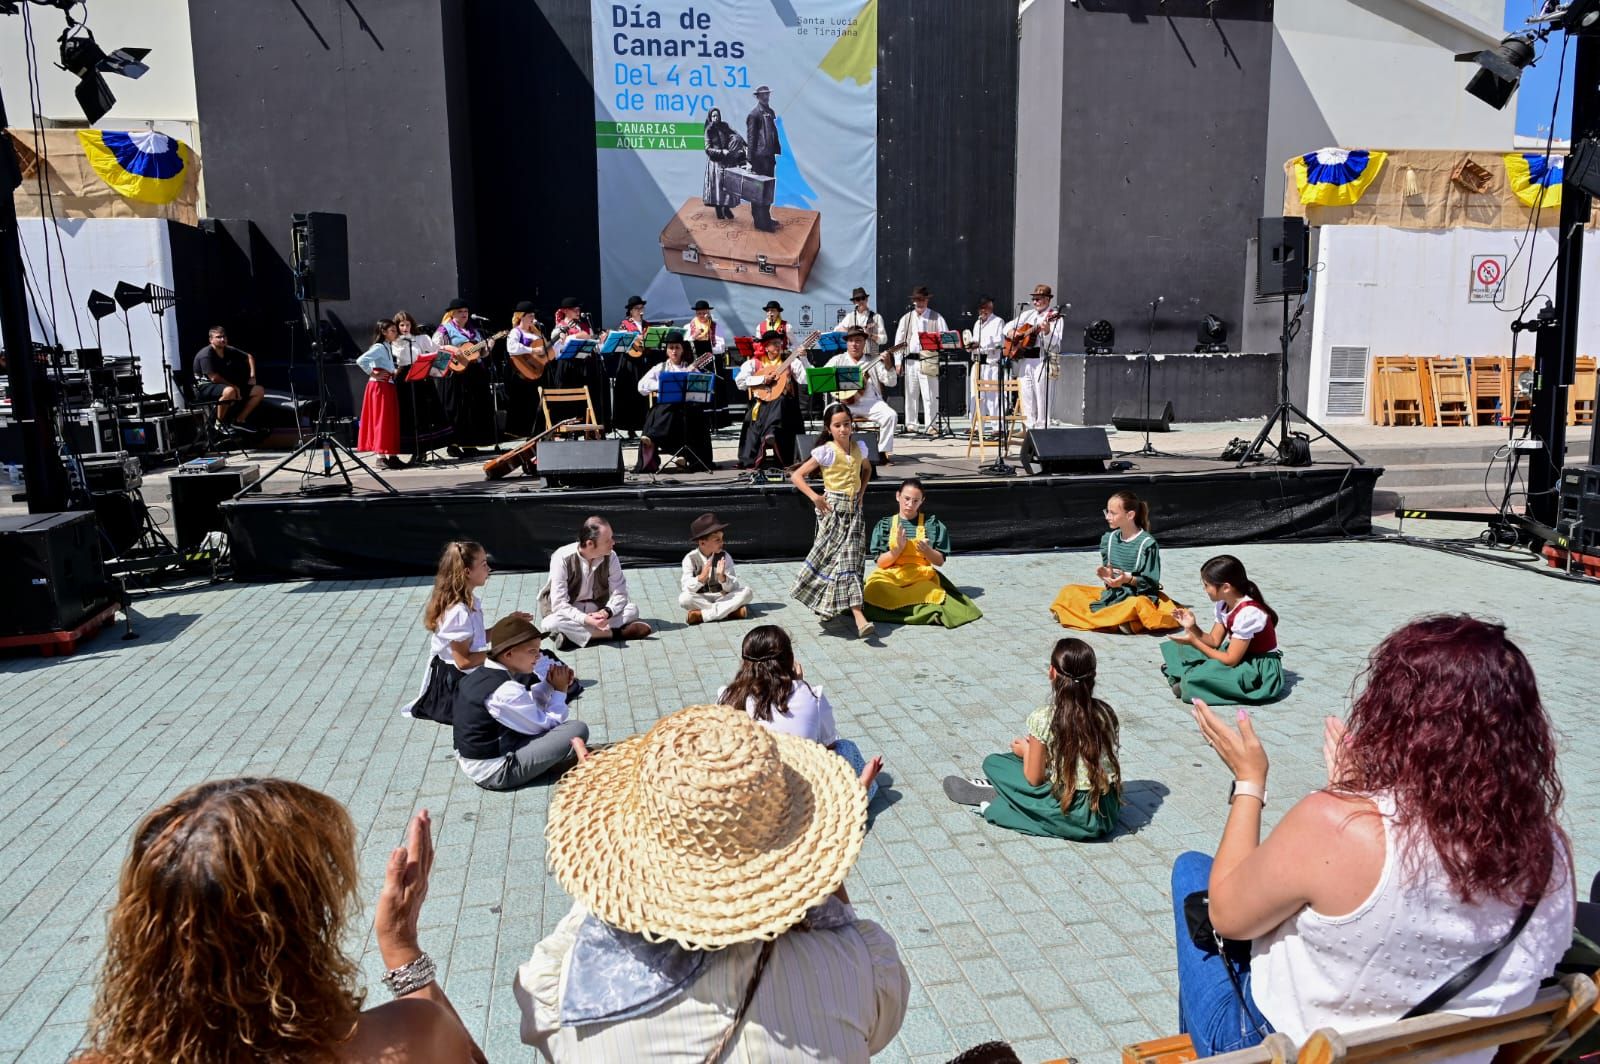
point(478, 736)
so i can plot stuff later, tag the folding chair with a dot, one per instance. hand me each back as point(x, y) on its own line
point(1399, 391)
point(1010, 415)
point(1488, 389)
point(590, 428)
point(1452, 394)
point(210, 438)
point(1581, 396)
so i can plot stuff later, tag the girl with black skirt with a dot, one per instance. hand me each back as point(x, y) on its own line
point(454, 615)
point(628, 407)
point(423, 425)
point(466, 392)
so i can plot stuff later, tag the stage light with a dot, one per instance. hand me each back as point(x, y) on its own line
point(1502, 69)
point(1098, 336)
point(80, 55)
point(1580, 15)
point(1212, 336)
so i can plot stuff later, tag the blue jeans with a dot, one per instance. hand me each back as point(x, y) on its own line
point(1208, 1007)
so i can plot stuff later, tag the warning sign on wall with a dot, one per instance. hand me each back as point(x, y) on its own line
point(1488, 274)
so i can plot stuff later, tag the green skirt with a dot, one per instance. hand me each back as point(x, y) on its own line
point(955, 611)
point(1021, 806)
point(1255, 681)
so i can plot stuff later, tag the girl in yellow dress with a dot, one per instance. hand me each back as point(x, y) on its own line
point(1129, 598)
point(905, 585)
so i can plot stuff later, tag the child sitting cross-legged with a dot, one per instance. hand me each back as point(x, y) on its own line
point(711, 591)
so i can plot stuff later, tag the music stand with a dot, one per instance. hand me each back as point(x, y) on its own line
point(420, 370)
point(696, 392)
point(1149, 450)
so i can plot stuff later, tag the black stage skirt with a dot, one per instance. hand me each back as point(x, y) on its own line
point(580, 373)
point(780, 420)
point(438, 699)
point(469, 406)
point(628, 407)
point(423, 425)
point(680, 428)
point(523, 416)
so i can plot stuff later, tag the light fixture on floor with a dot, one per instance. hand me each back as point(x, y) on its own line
point(1212, 336)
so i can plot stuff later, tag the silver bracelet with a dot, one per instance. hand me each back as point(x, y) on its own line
point(409, 978)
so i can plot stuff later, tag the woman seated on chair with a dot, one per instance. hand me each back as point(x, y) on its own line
point(905, 586)
point(678, 430)
point(1435, 843)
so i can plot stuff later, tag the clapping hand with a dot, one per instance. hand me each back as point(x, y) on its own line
point(1238, 746)
point(1184, 616)
point(599, 619)
point(722, 569)
point(898, 541)
point(559, 677)
point(1019, 747)
point(405, 887)
point(1105, 573)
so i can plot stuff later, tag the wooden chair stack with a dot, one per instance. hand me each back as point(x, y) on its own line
point(1010, 399)
point(1397, 390)
point(1452, 391)
point(1488, 390)
point(1581, 396)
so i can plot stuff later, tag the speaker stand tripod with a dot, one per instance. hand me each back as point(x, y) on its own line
point(1280, 415)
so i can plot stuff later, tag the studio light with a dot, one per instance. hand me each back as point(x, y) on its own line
point(80, 55)
point(1502, 69)
point(1212, 336)
point(1098, 337)
point(1580, 15)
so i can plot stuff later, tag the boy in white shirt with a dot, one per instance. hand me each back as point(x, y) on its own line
point(711, 591)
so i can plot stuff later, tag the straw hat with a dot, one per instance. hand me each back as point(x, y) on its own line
point(707, 830)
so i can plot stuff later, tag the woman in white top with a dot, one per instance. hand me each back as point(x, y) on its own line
point(380, 406)
point(771, 687)
point(423, 425)
point(1435, 841)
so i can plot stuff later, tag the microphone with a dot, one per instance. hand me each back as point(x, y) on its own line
point(1158, 300)
point(477, 317)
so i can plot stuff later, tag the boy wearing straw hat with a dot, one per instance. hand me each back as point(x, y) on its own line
point(691, 853)
point(711, 591)
point(511, 718)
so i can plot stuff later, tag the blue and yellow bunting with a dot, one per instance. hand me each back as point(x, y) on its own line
point(1336, 177)
point(1535, 179)
point(145, 165)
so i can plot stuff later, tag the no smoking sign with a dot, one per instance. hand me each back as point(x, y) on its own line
point(1488, 271)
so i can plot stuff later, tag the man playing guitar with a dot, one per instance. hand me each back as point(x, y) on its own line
point(1036, 332)
point(877, 373)
point(776, 418)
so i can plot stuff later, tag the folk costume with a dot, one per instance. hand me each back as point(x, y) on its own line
point(628, 406)
point(682, 429)
point(587, 371)
point(913, 590)
point(380, 405)
point(1255, 681)
point(1033, 369)
point(808, 714)
point(869, 403)
point(523, 416)
point(922, 387)
point(465, 393)
point(1141, 606)
point(510, 730)
point(829, 582)
point(423, 422)
point(1020, 806)
point(869, 319)
point(778, 420)
point(437, 699)
point(577, 587)
point(988, 341)
point(719, 596)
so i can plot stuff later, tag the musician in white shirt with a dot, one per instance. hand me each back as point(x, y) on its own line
point(987, 339)
point(922, 390)
point(868, 402)
point(1032, 370)
point(868, 319)
point(777, 420)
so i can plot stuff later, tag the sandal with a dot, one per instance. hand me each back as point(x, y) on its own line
point(866, 630)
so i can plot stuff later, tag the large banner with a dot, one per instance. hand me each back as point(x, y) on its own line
point(738, 157)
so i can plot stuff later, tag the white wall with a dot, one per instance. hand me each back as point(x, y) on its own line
point(165, 94)
point(1378, 74)
point(1404, 292)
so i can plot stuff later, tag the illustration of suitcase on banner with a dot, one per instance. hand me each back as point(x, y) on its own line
point(696, 243)
point(747, 185)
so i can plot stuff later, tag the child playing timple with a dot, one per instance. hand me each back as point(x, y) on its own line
point(1237, 661)
point(711, 591)
point(1062, 779)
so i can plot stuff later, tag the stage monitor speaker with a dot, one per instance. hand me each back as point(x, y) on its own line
point(580, 463)
point(197, 500)
point(1283, 254)
point(321, 246)
point(52, 572)
point(1065, 450)
point(805, 441)
point(1129, 415)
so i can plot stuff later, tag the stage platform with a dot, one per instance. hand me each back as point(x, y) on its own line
point(1195, 500)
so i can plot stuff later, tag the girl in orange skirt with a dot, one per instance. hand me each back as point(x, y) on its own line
point(1129, 597)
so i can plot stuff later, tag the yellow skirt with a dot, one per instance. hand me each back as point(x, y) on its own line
point(904, 585)
point(1071, 608)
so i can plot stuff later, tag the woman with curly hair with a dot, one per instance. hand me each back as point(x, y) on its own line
point(225, 939)
point(1434, 844)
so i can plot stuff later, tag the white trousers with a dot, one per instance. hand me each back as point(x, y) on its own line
point(922, 395)
point(573, 627)
point(716, 607)
point(988, 371)
point(880, 414)
point(1035, 382)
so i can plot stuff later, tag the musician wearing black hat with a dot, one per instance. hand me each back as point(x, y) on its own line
point(867, 401)
point(527, 352)
point(465, 388)
point(586, 371)
point(761, 148)
point(774, 321)
point(863, 315)
point(679, 429)
point(774, 418)
point(628, 408)
point(922, 368)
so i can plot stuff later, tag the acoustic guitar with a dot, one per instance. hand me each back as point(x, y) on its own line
point(1026, 336)
point(466, 354)
point(522, 456)
point(849, 397)
point(530, 365)
point(775, 387)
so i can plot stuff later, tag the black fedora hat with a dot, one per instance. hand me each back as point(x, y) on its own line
point(773, 304)
point(701, 304)
point(635, 301)
point(525, 307)
point(570, 303)
point(455, 305)
point(859, 293)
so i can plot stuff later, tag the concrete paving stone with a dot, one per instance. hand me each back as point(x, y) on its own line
point(923, 1031)
point(53, 1044)
point(1014, 1015)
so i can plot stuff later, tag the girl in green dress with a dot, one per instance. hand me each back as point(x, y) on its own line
point(1237, 662)
point(1062, 779)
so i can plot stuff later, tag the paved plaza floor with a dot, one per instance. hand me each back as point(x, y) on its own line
point(1060, 948)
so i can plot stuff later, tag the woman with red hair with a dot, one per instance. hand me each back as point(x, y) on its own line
point(1434, 846)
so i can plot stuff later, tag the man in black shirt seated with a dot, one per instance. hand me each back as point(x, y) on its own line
point(224, 375)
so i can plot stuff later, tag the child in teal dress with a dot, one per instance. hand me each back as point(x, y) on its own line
point(1237, 662)
point(1062, 779)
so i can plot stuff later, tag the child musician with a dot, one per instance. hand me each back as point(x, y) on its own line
point(1129, 598)
point(1237, 662)
point(711, 591)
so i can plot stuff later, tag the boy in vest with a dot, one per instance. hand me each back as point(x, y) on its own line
point(512, 724)
point(711, 592)
point(586, 596)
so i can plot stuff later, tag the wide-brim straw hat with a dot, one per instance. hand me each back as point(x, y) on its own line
point(707, 830)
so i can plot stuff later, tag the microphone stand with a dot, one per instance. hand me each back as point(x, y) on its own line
point(1149, 450)
point(1000, 467)
point(494, 385)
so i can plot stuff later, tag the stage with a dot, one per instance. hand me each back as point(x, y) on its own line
point(1194, 500)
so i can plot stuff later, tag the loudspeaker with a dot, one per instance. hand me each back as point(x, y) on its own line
point(1129, 415)
point(52, 572)
point(321, 245)
point(1065, 451)
point(580, 463)
point(805, 441)
point(1283, 253)
point(197, 497)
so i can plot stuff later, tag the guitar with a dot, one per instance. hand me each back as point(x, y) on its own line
point(530, 365)
point(466, 354)
point(776, 386)
point(522, 456)
point(1026, 336)
point(850, 396)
